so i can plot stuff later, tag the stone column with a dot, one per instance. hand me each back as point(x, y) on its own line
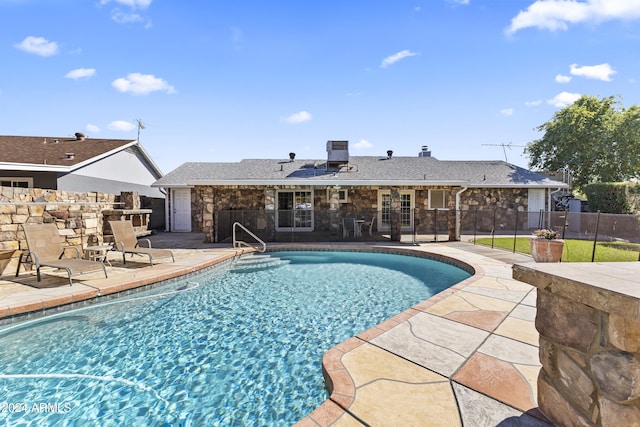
point(396, 223)
point(208, 215)
point(588, 317)
point(131, 200)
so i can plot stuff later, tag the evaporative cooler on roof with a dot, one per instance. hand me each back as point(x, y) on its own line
point(337, 153)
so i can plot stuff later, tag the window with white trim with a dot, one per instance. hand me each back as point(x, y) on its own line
point(13, 181)
point(294, 210)
point(438, 199)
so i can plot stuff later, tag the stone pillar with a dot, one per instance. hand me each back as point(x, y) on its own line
point(452, 218)
point(589, 325)
point(208, 215)
point(130, 200)
point(396, 223)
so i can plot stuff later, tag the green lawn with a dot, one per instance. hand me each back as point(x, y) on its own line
point(574, 250)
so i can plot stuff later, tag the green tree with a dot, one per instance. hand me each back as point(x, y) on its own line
point(596, 140)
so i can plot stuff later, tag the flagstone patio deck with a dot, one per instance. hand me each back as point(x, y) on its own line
point(465, 357)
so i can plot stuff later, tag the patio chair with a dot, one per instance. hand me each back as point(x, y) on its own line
point(370, 225)
point(348, 226)
point(46, 250)
point(126, 241)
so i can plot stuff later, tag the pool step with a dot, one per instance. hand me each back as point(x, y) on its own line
point(251, 263)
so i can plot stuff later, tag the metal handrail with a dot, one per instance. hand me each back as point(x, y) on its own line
point(240, 243)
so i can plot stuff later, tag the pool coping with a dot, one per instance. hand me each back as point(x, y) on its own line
point(343, 390)
point(344, 393)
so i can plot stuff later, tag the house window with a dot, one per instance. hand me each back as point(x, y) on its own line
point(343, 195)
point(438, 199)
point(406, 210)
point(294, 211)
point(16, 182)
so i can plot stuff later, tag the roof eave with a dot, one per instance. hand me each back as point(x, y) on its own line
point(333, 182)
point(34, 167)
point(322, 182)
point(520, 185)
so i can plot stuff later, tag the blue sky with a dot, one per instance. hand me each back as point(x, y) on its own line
point(221, 81)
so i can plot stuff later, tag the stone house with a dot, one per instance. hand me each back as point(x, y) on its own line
point(399, 194)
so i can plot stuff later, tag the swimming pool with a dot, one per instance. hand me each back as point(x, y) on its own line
point(238, 345)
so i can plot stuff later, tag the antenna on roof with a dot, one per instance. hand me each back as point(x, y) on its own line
point(504, 148)
point(140, 126)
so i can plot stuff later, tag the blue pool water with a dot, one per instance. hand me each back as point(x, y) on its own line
point(238, 345)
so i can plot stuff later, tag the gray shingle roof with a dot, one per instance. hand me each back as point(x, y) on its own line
point(361, 170)
point(42, 152)
point(53, 150)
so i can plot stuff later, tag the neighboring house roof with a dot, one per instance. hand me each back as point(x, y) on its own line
point(56, 154)
point(360, 170)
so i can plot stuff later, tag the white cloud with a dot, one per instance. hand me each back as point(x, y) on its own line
point(92, 128)
point(558, 14)
point(396, 57)
point(362, 144)
point(563, 79)
point(535, 103)
point(507, 112)
point(463, 2)
point(125, 18)
point(597, 72)
point(302, 116)
point(133, 4)
point(563, 99)
point(81, 73)
point(142, 84)
point(121, 126)
point(38, 45)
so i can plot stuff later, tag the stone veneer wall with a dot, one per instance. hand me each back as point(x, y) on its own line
point(363, 201)
point(77, 215)
point(503, 201)
point(589, 346)
point(207, 201)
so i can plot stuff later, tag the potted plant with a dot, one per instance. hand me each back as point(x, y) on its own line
point(546, 245)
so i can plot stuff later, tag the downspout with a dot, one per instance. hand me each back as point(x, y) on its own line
point(166, 209)
point(458, 193)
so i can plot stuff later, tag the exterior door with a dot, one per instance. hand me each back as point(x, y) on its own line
point(406, 210)
point(181, 209)
point(536, 204)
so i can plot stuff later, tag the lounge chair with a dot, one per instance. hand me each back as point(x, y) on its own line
point(46, 250)
point(126, 241)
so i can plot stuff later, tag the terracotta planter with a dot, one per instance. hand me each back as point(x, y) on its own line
point(545, 250)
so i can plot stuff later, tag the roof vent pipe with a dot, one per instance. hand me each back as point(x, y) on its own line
point(80, 136)
point(292, 156)
point(70, 156)
point(389, 154)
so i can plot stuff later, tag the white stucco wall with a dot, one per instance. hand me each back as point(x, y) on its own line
point(122, 171)
point(122, 166)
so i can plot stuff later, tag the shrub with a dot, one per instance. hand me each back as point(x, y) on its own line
point(612, 197)
point(546, 234)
